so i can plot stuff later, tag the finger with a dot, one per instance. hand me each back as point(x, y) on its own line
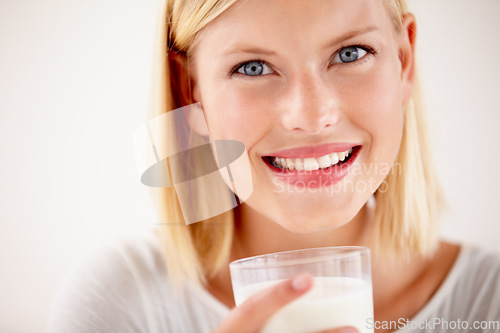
point(345, 329)
point(252, 314)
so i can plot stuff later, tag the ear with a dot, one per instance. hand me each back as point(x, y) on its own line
point(407, 40)
point(184, 89)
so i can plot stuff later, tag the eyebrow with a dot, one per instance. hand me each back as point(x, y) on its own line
point(351, 34)
point(254, 50)
point(242, 48)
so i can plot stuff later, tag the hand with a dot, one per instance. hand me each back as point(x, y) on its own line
point(252, 314)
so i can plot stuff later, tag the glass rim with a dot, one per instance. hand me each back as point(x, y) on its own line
point(336, 254)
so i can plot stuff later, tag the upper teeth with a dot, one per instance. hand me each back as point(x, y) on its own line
point(311, 163)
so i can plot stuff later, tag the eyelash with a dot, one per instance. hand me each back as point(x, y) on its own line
point(368, 49)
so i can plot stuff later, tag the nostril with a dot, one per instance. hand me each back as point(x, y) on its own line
point(308, 121)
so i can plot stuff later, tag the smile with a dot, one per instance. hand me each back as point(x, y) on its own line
point(311, 172)
point(310, 163)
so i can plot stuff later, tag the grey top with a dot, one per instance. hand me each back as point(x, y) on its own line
point(125, 288)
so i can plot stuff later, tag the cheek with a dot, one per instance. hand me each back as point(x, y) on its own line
point(378, 105)
point(236, 114)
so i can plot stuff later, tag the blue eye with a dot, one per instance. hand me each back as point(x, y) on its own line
point(254, 68)
point(350, 54)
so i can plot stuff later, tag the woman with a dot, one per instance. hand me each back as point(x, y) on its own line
point(295, 81)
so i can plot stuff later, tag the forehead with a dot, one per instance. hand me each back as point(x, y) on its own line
point(302, 22)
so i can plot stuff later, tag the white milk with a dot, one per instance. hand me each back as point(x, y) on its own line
point(332, 302)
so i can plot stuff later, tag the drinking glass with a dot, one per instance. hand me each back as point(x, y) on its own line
point(341, 294)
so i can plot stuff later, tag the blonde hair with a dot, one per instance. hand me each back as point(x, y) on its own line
point(406, 211)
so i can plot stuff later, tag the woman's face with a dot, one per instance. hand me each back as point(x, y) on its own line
point(306, 81)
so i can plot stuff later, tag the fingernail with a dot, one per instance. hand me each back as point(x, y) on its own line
point(301, 282)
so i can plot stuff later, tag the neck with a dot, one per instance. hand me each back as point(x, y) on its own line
point(392, 280)
point(255, 234)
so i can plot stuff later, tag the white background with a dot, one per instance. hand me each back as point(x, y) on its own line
point(74, 86)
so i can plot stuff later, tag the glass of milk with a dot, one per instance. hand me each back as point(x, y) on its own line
point(341, 294)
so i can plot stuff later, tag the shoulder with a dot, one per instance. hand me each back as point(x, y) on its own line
point(468, 296)
point(479, 279)
point(111, 289)
point(472, 289)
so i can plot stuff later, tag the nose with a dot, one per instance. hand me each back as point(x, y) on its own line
point(309, 105)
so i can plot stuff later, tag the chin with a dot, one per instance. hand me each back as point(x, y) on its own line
point(310, 224)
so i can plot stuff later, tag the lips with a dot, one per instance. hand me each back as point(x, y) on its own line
point(314, 176)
